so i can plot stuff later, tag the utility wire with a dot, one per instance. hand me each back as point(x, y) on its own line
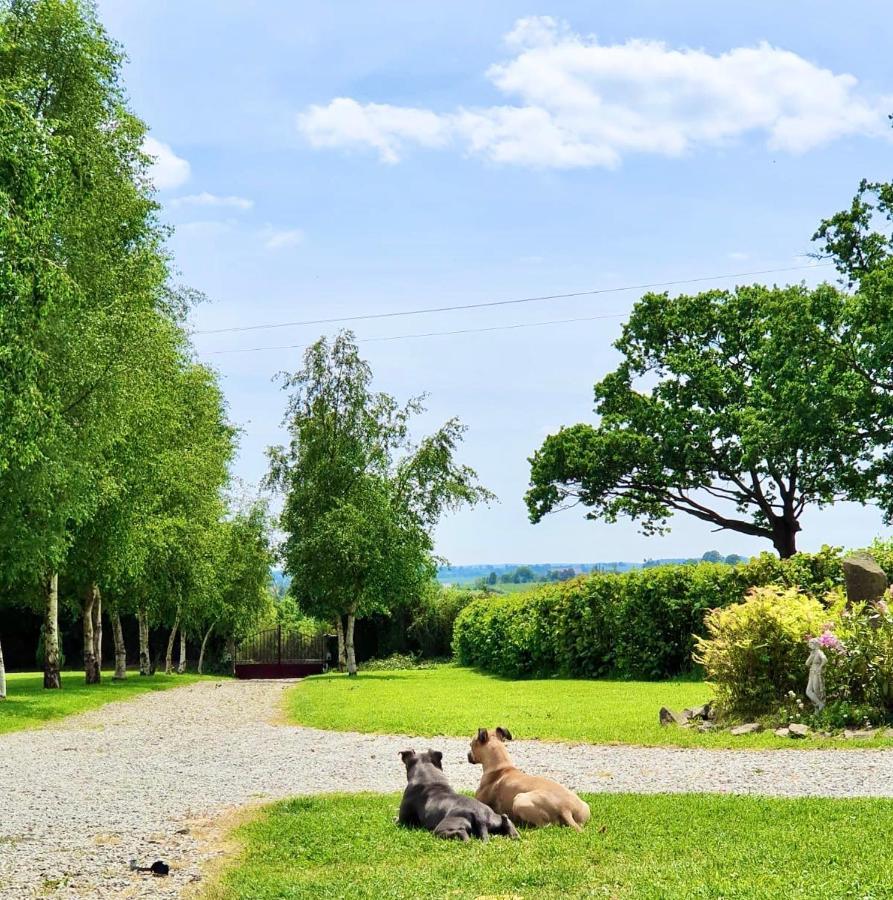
point(490, 303)
point(402, 337)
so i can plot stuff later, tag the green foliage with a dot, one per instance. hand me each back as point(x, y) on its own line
point(754, 651)
point(399, 662)
point(432, 618)
point(735, 407)
point(361, 500)
point(859, 675)
point(641, 624)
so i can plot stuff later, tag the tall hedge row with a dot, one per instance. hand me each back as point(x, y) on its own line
point(641, 624)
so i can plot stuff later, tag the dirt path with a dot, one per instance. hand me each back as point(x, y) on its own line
point(78, 800)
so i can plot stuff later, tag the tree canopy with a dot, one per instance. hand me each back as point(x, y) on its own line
point(739, 408)
point(361, 499)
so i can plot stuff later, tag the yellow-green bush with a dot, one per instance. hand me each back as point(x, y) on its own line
point(755, 651)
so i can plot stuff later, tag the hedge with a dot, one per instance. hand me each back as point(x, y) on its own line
point(641, 624)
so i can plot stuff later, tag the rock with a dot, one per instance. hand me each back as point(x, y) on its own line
point(749, 728)
point(864, 578)
point(859, 733)
point(668, 717)
point(699, 712)
point(706, 726)
point(796, 730)
point(782, 732)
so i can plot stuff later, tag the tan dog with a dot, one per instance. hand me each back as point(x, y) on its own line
point(526, 799)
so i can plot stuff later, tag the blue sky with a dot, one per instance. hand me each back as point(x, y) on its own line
point(335, 159)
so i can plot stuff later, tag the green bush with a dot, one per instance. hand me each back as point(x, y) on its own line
point(430, 630)
point(859, 673)
point(641, 624)
point(755, 651)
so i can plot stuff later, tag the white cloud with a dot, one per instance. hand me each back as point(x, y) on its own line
point(211, 200)
point(572, 102)
point(277, 238)
point(387, 128)
point(168, 170)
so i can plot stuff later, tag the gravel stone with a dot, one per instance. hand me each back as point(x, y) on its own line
point(144, 779)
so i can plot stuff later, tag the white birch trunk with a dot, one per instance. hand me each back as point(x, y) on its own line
point(201, 653)
point(145, 656)
point(351, 655)
point(181, 668)
point(52, 678)
point(97, 632)
point(120, 649)
point(169, 656)
point(91, 666)
point(2, 675)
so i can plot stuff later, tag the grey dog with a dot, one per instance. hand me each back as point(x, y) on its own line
point(429, 802)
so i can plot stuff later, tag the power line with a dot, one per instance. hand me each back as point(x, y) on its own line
point(490, 303)
point(402, 337)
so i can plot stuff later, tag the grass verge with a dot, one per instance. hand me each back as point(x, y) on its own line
point(28, 705)
point(672, 847)
point(449, 700)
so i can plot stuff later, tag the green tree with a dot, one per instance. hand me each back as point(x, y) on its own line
point(82, 270)
point(735, 407)
point(361, 500)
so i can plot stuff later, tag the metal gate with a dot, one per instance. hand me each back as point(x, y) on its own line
point(282, 653)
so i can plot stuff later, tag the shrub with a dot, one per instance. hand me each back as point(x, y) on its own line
point(755, 651)
point(430, 630)
point(641, 624)
point(859, 674)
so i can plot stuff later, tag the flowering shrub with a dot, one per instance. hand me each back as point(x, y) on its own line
point(859, 674)
point(755, 652)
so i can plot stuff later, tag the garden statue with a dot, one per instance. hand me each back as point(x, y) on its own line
point(815, 687)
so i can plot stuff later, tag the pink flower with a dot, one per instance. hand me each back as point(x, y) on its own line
point(831, 641)
point(882, 607)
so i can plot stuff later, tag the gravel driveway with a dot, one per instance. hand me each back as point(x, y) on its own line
point(146, 777)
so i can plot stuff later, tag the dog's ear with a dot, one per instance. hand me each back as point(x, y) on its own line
point(483, 736)
point(436, 758)
point(503, 733)
point(406, 755)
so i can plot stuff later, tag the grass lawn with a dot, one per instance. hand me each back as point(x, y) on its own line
point(28, 705)
point(635, 846)
point(453, 701)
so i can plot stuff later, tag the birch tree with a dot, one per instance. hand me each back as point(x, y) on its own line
point(361, 499)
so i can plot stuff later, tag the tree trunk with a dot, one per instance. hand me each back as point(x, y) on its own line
point(145, 656)
point(201, 653)
point(2, 676)
point(231, 647)
point(351, 656)
point(784, 537)
point(97, 631)
point(52, 677)
point(181, 668)
point(169, 656)
point(120, 649)
point(91, 667)
point(342, 656)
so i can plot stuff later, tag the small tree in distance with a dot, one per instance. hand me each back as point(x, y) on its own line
point(361, 500)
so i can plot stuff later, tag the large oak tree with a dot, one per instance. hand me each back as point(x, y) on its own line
point(739, 408)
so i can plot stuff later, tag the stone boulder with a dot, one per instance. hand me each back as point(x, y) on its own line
point(864, 578)
point(748, 728)
point(666, 716)
point(795, 730)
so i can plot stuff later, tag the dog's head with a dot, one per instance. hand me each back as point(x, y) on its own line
point(411, 759)
point(484, 742)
